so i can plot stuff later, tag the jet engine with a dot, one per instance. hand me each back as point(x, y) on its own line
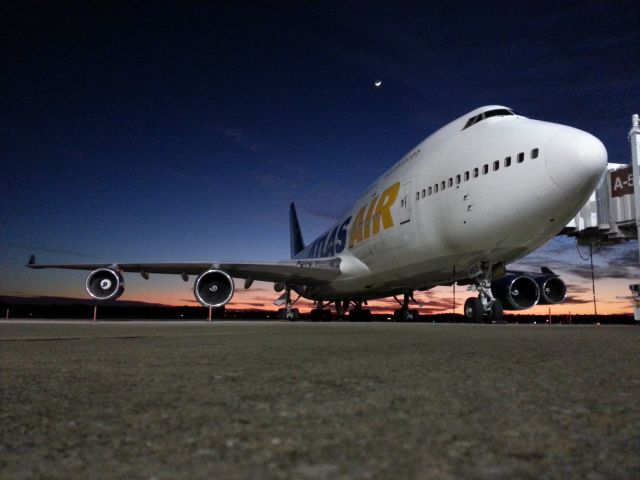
point(105, 284)
point(552, 289)
point(516, 292)
point(213, 288)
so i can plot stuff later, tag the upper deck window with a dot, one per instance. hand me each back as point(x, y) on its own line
point(498, 112)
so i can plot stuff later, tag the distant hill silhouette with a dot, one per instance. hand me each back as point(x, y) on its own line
point(82, 308)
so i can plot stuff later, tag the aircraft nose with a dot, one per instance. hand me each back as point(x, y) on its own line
point(575, 159)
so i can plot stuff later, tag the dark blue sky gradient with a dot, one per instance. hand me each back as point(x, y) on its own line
point(182, 130)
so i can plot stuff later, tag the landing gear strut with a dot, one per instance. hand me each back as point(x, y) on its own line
point(404, 314)
point(341, 309)
point(359, 314)
point(289, 313)
point(485, 308)
point(320, 313)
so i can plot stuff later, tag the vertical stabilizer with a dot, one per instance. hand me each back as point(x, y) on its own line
point(297, 243)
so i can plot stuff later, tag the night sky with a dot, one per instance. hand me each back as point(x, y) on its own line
point(180, 131)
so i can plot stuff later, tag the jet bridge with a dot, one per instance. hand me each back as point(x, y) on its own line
point(612, 213)
point(609, 216)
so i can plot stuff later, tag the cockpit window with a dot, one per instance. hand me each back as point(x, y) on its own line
point(498, 112)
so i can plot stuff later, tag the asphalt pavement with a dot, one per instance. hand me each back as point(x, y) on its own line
point(249, 400)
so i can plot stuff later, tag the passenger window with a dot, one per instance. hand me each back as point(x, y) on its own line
point(466, 176)
point(458, 179)
point(442, 185)
point(485, 169)
point(450, 182)
point(424, 192)
point(429, 191)
point(417, 195)
point(507, 161)
point(534, 153)
point(475, 172)
point(520, 157)
point(435, 188)
point(496, 165)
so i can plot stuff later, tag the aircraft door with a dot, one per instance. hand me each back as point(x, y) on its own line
point(406, 202)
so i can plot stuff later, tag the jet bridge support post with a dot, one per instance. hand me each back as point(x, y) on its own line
point(634, 140)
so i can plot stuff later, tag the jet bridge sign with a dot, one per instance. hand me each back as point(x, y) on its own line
point(622, 182)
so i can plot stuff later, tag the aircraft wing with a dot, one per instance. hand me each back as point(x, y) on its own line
point(303, 272)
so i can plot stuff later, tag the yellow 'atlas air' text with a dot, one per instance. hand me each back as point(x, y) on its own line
point(374, 216)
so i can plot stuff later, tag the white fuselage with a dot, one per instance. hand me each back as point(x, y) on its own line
point(505, 185)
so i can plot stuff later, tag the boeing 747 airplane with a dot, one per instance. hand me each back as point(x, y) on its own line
point(481, 192)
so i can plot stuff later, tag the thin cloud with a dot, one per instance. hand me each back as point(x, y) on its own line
point(236, 136)
point(572, 299)
point(188, 300)
point(53, 250)
point(324, 215)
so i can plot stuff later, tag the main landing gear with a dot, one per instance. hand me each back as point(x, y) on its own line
point(485, 308)
point(288, 312)
point(359, 314)
point(320, 314)
point(404, 314)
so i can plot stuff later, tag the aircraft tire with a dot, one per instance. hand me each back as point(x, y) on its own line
point(294, 315)
point(496, 312)
point(402, 315)
point(473, 310)
point(360, 315)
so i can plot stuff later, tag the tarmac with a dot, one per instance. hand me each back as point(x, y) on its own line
point(247, 400)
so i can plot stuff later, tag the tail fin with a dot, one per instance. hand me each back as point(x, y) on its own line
point(297, 243)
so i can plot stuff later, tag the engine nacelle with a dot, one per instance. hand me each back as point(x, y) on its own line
point(516, 292)
point(552, 289)
point(213, 288)
point(105, 284)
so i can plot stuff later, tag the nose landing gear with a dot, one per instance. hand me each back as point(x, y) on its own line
point(485, 308)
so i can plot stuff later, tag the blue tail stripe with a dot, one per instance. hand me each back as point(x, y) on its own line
point(297, 243)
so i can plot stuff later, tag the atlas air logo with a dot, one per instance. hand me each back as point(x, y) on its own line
point(371, 219)
point(331, 243)
point(374, 216)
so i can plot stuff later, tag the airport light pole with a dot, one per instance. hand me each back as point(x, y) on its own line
point(634, 139)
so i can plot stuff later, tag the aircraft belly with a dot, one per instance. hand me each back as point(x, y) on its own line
point(422, 274)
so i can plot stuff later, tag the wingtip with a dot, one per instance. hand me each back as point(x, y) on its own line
point(32, 260)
